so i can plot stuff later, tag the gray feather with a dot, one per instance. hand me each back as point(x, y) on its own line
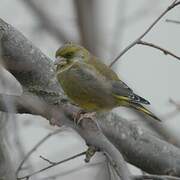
point(121, 89)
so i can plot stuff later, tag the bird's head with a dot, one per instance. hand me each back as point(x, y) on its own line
point(69, 54)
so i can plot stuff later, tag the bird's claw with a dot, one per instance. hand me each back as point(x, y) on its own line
point(80, 115)
point(77, 116)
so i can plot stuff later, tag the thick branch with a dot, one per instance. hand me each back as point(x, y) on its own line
point(87, 20)
point(94, 136)
point(35, 72)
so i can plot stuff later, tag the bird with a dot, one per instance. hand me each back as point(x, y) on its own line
point(93, 85)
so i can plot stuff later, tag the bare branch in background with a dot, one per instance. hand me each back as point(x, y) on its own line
point(117, 35)
point(87, 17)
point(6, 165)
point(47, 160)
point(147, 9)
point(170, 7)
point(172, 21)
point(34, 149)
point(164, 134)
point(71, 171)
point(7, 134)
point(121, 170)
point(165, 51)
point(47, 21)
point(52, 165)
point(13, 131)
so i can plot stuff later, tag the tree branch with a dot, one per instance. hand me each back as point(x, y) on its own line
point(165, 51)
point(172, 5)
point(94, 136)
point(34, 149)
point(50, 166)
point(172, 21)
point(87, 21)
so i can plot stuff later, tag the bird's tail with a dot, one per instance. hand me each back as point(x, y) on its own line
point(141, 108)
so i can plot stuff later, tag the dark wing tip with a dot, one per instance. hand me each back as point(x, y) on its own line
point(138, 99)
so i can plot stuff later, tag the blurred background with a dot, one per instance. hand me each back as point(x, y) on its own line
point(104, 27)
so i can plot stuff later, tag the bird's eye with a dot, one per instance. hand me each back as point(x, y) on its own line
point(69, 55)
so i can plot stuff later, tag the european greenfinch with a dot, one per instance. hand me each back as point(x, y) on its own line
point(93, 85)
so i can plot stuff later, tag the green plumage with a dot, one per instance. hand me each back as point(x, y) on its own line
point(91, 84)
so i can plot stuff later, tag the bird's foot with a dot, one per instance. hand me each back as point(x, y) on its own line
point(77, 116)
point(90, 153)
point(80, 115)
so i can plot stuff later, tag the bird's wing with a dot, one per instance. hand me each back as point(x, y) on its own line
point(119, 89)
point(103, 69)
point(122, 92)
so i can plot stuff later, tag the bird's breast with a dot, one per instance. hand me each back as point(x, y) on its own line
point(86, 88)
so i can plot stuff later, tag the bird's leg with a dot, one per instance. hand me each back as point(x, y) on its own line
point(82, 114)
point(77, 116)
point(87, 115)
point(90, 153)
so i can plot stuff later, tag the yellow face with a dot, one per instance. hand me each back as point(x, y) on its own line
point(67, 55)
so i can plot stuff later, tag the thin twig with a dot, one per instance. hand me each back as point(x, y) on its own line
point(47, 160)
point(73, 170)
point(52, 165)
point(165, 51)
point(34, 149)
point(172, 21)
point(171, 6)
